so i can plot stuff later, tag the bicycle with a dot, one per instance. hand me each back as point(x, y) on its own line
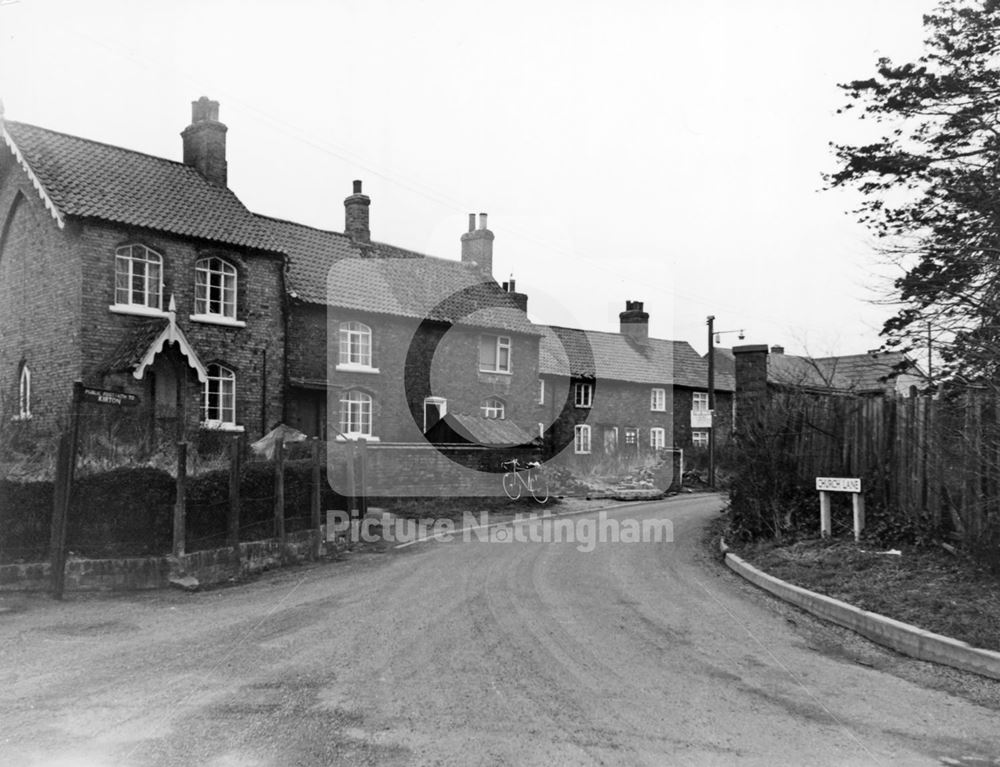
point(528, 477)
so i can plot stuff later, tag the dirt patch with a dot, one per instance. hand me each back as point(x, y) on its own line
point(926, 587)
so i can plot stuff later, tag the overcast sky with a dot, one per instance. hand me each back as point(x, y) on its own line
point(663, 151)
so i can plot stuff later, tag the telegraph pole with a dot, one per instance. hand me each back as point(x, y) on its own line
point(711, 401)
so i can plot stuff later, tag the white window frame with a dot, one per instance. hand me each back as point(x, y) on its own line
point(541, 391)
point(24, 395)
point(502, 353)
point(356, 406)
point(442, 405)
point(215, 275)
point(219, 378)
point(581, 439)
point(699, 402)
point(127, 260)
point(658, 400)
point(351, 359)
point(699, 438)
point(583, 395)
point(631, 437)
point(493, 408)
point(657, 438)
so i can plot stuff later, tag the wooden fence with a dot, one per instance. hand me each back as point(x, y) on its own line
point(917, 455)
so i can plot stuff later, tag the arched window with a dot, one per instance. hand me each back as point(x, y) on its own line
point(356, 414)
point(355, 344)
point(138, 277)
point(220, 397)
point(493, 407)
point(215, 288)
point(24, 393)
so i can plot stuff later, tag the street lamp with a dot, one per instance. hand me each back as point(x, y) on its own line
point(713, 339)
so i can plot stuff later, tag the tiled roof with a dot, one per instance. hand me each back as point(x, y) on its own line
point(328, 268)
point(90, 179)
point(613, 356)
point(871, 372)
point(487, 431)
point(133, 346)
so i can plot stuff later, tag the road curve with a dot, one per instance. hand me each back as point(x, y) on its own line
point(464, 653)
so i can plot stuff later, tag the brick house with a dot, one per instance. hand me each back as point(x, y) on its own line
point(621, 394)
point(760, 371)
point(140, 274)
point(385, 342)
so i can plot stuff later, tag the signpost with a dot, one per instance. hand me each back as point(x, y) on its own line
point(852, 485)
point(65, 468)
point(107, 397)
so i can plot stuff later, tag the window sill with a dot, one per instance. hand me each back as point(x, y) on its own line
point(217, 319)
point(355, 438)
point(136, 309)
point(20, 418)
point(657, 410)
point(583, 407)
point(581, 452)
point(352, 368)
point(219, 426)
point(497, 372)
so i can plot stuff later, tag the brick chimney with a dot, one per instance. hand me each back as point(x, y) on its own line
point(356, 216)
point(777, 350)
point(634, 322)
point(520, 300)
point(205, 141)
point(477, 245)
point(751, 383)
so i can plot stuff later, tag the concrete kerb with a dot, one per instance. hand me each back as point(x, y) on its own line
point(896, 635)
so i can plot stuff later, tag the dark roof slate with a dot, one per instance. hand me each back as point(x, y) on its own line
point(133, 346)
point(613, 356)
point(487, 431)
point(329, 269)
point(872, 372)
point(90, 179)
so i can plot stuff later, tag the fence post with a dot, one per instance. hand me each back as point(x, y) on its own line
point(315, 501)
point(349, 479)
point(233, 520)
point(279, 491)
point(180, 509)
point(362, 489)
point(65, 467)
point(825, 527)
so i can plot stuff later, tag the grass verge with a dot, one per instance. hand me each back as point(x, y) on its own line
point(926, 587)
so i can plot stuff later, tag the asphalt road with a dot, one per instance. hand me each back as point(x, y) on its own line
point(467, 653)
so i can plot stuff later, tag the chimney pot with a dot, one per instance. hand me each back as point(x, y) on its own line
point(477, 246)
point(204, 141)
point(634, 322)
point(356, 216)
point(512, 285)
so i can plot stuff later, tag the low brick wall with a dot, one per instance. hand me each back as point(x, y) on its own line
point(137, 573)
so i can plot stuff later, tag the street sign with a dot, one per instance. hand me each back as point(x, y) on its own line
point(701, 419)
point(107, 397)
point(838, 484)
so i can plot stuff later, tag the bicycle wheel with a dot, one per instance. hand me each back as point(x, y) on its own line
point(538, 483)
point(512, 485)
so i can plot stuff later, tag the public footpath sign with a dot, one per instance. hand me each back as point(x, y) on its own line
point(852, 485)
point(106, 397)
